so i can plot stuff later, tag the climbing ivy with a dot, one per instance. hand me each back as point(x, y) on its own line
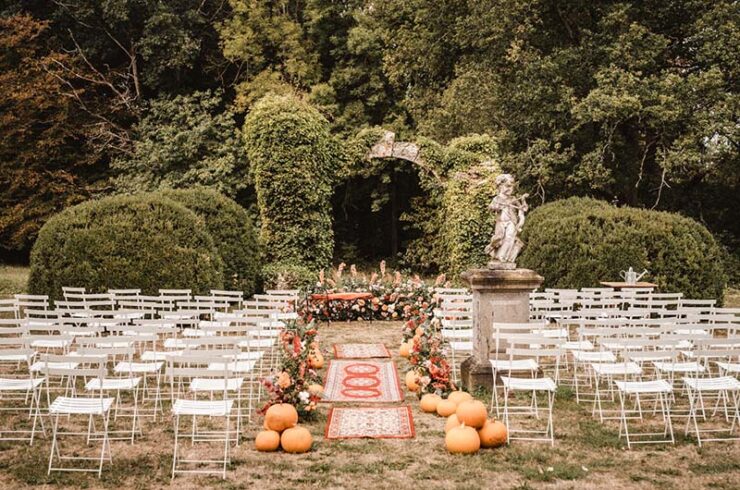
point(294, 161)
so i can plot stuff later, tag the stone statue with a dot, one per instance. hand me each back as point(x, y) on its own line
point(505, 245)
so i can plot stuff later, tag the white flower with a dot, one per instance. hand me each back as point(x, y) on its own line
point(304, 396)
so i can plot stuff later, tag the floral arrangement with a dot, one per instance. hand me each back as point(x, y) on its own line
point(427, 355)
point(297, 382)
point(388, 296)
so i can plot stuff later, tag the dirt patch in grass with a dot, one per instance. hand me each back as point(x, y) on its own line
point(587, 454)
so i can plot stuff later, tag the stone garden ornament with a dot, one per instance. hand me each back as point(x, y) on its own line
point(505, 244)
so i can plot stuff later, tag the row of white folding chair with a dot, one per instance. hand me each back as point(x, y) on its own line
point(698, 383)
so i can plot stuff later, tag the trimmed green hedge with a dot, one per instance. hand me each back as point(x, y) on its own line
point(294, 161)
point(232, 231)
point(144, 241)
point(578, 242)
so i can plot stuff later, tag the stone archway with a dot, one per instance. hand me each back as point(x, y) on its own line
point(388, 147)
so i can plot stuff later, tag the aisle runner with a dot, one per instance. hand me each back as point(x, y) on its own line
point(362, 381)
point(371, 422)
point(360, 351)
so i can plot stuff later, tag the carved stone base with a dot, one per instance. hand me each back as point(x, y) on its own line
point(506, 266)
point(500, 296)
point(474, 374)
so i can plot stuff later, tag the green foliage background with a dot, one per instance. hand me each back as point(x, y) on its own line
point(578, 242)
point(144, 241)
point(185, 141)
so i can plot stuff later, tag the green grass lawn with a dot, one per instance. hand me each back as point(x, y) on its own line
point(13, 279)
point(587, 453)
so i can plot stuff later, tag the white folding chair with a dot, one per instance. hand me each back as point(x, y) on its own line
point(634, 389)
point(193, 369)
point(19, 388)
point(89, 407)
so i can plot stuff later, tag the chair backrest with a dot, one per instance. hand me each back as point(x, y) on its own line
point(32, 301)
point(73, 365)
point(68, 290)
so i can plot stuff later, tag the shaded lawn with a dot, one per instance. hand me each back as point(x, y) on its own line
point(587, 454)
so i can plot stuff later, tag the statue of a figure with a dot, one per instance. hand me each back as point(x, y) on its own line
point(505, 245)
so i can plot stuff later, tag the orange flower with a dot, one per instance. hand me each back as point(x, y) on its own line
point(284, 380)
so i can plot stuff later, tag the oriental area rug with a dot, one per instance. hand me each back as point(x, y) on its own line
point(370, 422)
point(360, 351)
point(362, 381)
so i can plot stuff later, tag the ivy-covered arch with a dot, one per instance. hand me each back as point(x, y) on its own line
point(452, 221)
point(297, 165)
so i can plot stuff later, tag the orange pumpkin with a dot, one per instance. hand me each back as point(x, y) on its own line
point(445, 408)
point(429, 402)
point(472, 413)
point(492, 434)
point(412, 381)
point(315, 389)
point(405, 350)
point(459, 396)
point(452, 421)
point(462, 440)
point(281, 416)
point(267, 441)
point(316, 360)
point(296, 440)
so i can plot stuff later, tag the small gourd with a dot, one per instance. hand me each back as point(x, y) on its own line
point(445, 408)
point(267, 441)
point(429, 402)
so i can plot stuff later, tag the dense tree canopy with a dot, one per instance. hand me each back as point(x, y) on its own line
point(621, 100)
point(184, 141)
point(45, 163)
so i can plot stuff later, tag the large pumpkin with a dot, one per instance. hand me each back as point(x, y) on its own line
point(281, 416)
point(429, 402)
point(296, 440)
point(472, 413)
point(405, 350)
point(445, 408)
point(412, 381)
point(459, 396)
point(452, 421)
point(492, 434)
point(462, 440)
point(267, 441)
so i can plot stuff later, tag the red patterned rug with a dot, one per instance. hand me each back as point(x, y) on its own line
point(360, 351)
point(362, 381)
point(371, 422)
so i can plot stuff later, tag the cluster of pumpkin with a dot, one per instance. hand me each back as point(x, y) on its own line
point(467, 428)
point(282, 430)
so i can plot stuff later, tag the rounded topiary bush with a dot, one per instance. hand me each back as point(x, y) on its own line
point(142, 241)
point(578, 242)
point(232, 231)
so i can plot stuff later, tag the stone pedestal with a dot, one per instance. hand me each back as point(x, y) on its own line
point(501, 296)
